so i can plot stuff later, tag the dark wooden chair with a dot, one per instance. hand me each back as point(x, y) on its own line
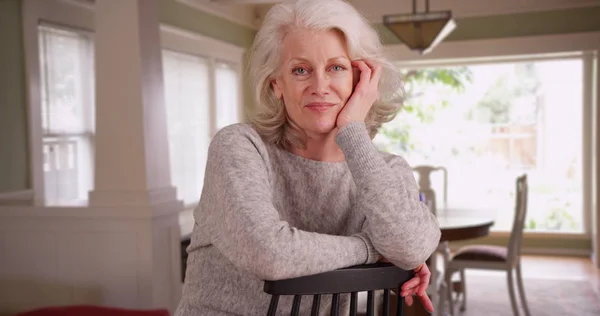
point(371, 277)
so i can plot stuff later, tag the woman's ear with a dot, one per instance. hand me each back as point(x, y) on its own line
point(276, 89)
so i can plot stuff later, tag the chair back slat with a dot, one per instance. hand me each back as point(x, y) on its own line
point(400, 304)
point(353, 303)
point(315, 305)
point(386, 302)
point(273, 305)
point(370, 303)
point(335, 305)
point(296, 305)
point(371, 277)
point(516, 234)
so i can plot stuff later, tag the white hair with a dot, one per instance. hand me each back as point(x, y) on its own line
point(270, 117)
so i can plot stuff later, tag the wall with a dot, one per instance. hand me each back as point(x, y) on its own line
point(14, 174)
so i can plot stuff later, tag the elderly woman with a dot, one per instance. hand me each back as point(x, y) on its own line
point(302, 190)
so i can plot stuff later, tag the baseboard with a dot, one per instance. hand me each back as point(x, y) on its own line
point(556, 252)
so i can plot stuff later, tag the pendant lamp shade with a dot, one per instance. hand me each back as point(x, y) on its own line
point(422, 31)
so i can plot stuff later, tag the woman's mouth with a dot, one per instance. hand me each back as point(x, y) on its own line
point(320, 106)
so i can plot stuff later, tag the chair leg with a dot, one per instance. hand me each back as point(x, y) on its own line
point(522, 290)
point(463, 288)
point(449, 289)
point(448, 277)
point(511, 292)
point(441, 295)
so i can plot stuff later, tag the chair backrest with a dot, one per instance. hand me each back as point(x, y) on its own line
point(371, 277)
point(516, 235)
point(425, 188)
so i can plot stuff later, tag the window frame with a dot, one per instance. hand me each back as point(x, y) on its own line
point(59, 14)
point(215, 52)
point(585, 58)
point(205, 63)
point(75, 15)
point(87, 136)
point(547, 47)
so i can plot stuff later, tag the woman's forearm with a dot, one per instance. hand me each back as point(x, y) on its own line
point(401, 227)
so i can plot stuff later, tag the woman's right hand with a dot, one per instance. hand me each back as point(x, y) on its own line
point(364, 96)
point(416, 286)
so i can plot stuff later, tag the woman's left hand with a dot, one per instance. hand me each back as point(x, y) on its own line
point(365, 94)
point(418, 285)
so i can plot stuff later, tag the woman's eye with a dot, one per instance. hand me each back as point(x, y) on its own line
point(337, 68)
point(299, 71)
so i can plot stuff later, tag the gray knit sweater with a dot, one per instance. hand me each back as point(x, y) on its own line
point(267, 214)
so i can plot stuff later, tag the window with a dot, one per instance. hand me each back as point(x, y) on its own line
point(192, 115)
point(67, 109)
point(487, 124)
point(188, 111)
point(227, 90)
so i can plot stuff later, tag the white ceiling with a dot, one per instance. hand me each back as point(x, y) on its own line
point(250, 12)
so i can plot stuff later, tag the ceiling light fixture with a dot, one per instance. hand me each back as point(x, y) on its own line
point(421, 31)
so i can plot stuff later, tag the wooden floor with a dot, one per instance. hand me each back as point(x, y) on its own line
point(564, 268)
point(552, 268)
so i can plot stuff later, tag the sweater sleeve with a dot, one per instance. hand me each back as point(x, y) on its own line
point(236, 209)
point(399, 225)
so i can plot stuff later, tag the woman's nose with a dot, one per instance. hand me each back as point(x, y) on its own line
point(320, 83)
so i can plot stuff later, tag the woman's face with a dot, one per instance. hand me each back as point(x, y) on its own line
point(315, 79)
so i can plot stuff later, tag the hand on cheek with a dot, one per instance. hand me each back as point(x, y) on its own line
point(364, 95)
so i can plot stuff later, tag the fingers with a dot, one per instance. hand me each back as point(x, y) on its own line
point(423, 297)
point(412, 283)
point(418, 285)
point(425, 276)
point(365, 74)
point(375, 70)
point(369, 71)
point(408, 300)
point(426, 302)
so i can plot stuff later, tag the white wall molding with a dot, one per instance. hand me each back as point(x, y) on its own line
point(24, 197)
point(486, 50)
point(595, 218)
point(82, 256)
point(185, 41)
point(172, 208)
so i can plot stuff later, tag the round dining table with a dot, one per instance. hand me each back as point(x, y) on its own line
point(461, 226)
point(456, 224)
